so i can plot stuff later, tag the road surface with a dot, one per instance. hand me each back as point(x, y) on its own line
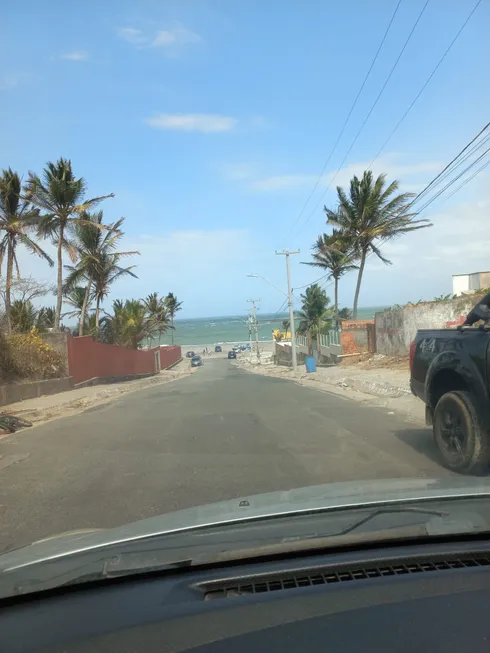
point(221, 433)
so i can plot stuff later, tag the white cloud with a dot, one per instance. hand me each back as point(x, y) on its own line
point(425, 260)
point(132, 35)
point(171, 37)
point(170, 40)
point(76, 55)
point(391, 165)
point(415, 173)
point(9, 81)
point(201, 267)
point(200, 122)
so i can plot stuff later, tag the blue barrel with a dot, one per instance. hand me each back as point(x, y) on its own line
point(310, 364)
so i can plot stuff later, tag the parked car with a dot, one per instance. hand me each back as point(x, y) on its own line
point(232, 354)
point(449, 372)
point(196, 361)
point(218, 349)
point(190, 354)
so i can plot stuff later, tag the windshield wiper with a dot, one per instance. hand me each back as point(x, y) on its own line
point(388, 511)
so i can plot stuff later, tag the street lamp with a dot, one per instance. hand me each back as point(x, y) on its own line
point(258, 276)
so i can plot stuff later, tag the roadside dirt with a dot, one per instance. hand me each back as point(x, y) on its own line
point(375, 380)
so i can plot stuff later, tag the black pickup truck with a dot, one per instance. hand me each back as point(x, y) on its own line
point(450, 372)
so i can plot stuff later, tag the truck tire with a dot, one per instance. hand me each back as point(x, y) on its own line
point(459, 435)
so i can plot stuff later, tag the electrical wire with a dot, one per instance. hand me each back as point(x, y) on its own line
point(466, 181)
point(281, 307)
point(353, 106)
point(451, 165)
point(324, 276)
point(460, 162)
point(373, 106)
point(450, 183)
point(424, 86)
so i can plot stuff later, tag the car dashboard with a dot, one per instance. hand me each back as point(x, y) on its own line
point(431, 597)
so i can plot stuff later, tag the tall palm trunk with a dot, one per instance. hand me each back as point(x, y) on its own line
point(59, 298)
point(8, 286)
point(97, 312)
point(84, 308)
point(336, 299)
point(172, 324)
point(358, 285)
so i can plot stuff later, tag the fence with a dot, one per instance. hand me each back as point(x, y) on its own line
point(302, 341)
point(88, 359)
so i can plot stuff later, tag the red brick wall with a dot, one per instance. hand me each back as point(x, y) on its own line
point(349, 345)
point(88, 359)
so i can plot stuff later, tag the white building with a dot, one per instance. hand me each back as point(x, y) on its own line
point(464, 284)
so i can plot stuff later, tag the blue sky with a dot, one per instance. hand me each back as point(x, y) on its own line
point(211, 121)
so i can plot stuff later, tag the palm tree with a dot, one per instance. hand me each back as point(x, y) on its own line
point(45, 318)
point(369, 215)
point(159, 311)
point(128, 325)
point(174, 307)
point(61, 196)
point(345, 314)
point(75, 298)
point(285, 325)
point(315, 314)
point(23, 315)
point(91, 243)
point(107, 272)
point(17, 219)
point(332, 252)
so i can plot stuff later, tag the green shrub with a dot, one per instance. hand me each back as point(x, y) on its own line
point(27, 357)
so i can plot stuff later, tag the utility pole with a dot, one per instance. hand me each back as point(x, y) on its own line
point(252, 301)
point(287, 254)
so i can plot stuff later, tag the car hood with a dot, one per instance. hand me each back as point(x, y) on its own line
point(320, 498)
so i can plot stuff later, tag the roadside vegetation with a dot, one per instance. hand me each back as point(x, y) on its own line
point(367, 215)
point(54, 208)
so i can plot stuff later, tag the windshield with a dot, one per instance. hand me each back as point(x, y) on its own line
point(243, 255)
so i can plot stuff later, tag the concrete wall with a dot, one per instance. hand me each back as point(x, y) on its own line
point(57, 340)
point(484, 280)
point(88, 359)
point(14, 392)
point(396, 328)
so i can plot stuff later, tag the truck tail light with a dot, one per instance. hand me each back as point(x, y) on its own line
point(413, 345)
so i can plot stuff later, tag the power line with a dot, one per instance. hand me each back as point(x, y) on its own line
point(466, 181)
point(463, 159)
point(279, 310)
point(370, 111)
point(448, 166)
point(354, 104)
point(426, 83)
point(450, 183)
point(324, 276)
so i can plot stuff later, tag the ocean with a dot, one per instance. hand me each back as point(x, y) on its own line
point(233, 329)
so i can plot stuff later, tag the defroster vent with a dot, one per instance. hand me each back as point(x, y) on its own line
point(272, 583)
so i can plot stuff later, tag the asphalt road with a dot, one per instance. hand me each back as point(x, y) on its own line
point(221, 433)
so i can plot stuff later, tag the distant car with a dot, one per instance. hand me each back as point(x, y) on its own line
point(236, 348)
point(191, 354)
point(196, 361)
point(232, 354)
point(218, 349)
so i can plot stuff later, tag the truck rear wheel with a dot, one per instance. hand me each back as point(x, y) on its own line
point(458, 433)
